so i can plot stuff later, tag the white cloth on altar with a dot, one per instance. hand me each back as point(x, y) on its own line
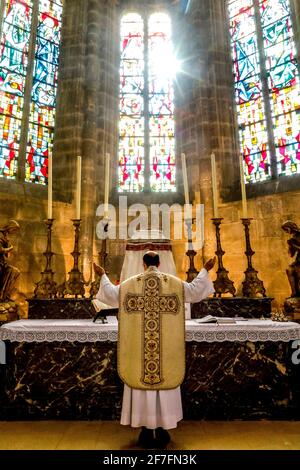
point(154, 408)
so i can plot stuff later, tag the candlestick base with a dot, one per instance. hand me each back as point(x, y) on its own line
point(46, 288)
point(74, 286)
point(252, 285)
point(191, 253)
point(192, 271)
point(222, 284)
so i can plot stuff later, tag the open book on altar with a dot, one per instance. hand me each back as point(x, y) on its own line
point(225, 320)
point(101, 306)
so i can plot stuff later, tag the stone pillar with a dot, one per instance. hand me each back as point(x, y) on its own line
point(85, 114)
point(89, 129)
point(205, 117)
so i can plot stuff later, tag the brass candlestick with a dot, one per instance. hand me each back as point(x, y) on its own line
point(46, 288)
point(252, 284)
point(191, 253)
point(75, 284)
point(103, 254)
point(222, 284)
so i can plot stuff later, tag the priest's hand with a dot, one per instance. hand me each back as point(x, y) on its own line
point(210, 264)
point(98, 270)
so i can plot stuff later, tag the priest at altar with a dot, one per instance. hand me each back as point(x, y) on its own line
point(149, 240)
point(152, 398)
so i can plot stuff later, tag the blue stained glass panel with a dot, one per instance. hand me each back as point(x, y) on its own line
point(43, 94)
point(151, 108)
point(244, 48)
point(14, 43)
point(283, 83)
point(162, 70)
point(274, 11)
point(248, 91)
point(131, 123)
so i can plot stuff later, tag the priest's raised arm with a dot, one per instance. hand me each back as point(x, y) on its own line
point(195, 291)
point(108, 292)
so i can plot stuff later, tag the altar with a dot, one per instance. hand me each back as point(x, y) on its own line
point(66, 369)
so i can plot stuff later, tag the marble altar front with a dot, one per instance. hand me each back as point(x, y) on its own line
point(66, 369)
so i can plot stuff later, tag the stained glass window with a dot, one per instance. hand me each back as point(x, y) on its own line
point(15, 35)
point(39, 100)
point(147, 125)
point(43, 93)
point(267, 87)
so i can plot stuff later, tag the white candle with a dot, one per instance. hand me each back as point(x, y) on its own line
point(214, 185)
point(106, 186)
point(185, 180)
point(243, 187)
point(78, 188)
point(50, 187)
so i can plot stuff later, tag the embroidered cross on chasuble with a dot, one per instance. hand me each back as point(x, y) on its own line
point(151, 343)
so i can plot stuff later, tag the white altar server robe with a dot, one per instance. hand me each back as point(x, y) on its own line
point(154, 408)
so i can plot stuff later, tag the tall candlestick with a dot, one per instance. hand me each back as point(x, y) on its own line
point(185, 180)
point(78, 188)
point(214, 185)
point(50, 187)
point(243, 187)
point(106, 187)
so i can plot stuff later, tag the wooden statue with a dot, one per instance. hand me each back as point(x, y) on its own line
point(8, 273)
point(292, 304)
point(293, 271)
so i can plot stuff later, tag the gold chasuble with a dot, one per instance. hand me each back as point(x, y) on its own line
point(151, 343)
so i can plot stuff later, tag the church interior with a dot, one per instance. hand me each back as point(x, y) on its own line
point(159, 102)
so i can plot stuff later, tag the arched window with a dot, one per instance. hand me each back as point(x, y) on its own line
point(267, 87)
point(29, 51)
point(147, 125)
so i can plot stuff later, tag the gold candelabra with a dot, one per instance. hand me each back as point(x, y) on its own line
point(74, 286)
point(252, 285)
point(46, 288)
point(222, 284)
point(191, 253)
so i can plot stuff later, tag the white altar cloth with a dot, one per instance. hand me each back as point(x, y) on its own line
point(88, 331)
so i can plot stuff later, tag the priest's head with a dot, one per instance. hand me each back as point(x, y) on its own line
point(151, 258)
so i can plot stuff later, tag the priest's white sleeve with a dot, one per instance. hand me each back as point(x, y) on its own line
point(108, 293)
point(200, 288)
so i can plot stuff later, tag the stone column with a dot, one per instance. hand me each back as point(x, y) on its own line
point(85, 121)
